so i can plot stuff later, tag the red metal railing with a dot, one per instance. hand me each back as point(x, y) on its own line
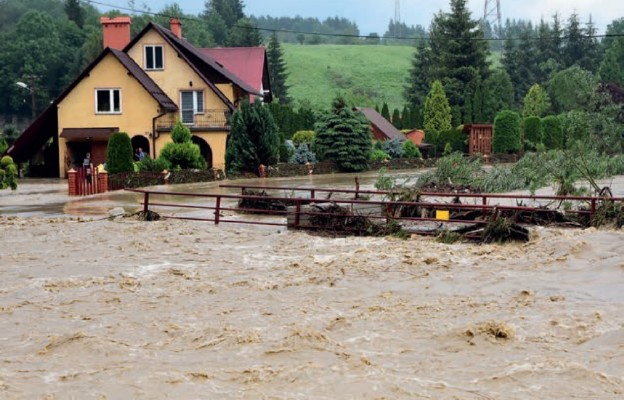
point(386, 210)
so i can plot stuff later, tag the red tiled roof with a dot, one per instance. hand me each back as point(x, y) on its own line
point(245, 62)
point(382, 124)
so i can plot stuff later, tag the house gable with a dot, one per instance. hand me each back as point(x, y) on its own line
point(177, 74)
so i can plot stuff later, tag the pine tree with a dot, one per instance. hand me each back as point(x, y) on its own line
point(244, 34)
point(498, 94)
point(573, 45)
point(612, 66)
point(254, 139)
point(417, 118)
point(437, 115)
point(420, 75)
point(591, 48)
point(406, 118)
point(222, 17)
point(344, 136)
point(75, 12)
point(506, 138)
point(277, 70)
point(458, 54)
point(385, 112)
point(396, 119)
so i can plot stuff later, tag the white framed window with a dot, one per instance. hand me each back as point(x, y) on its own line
point(154, 57)
point(108, 101)
point(191, 103)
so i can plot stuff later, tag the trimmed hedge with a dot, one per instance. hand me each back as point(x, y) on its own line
point(119, 154)
point(533, 132)
point(553, 132)
point(506, 137)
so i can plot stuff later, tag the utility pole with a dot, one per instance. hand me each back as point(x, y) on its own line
point(492, 14)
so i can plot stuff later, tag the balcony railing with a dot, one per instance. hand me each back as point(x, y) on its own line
point(208, 120)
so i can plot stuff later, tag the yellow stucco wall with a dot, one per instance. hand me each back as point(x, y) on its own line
point(215, 139)
point(77, 110)
point(177, 75)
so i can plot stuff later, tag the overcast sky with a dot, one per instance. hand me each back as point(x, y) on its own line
point(373, 15)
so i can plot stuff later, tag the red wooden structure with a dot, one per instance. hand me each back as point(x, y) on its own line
point(480, 139)
point(86, 181)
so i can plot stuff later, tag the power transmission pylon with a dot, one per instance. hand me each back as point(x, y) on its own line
point(397, 17)
point(492, 14)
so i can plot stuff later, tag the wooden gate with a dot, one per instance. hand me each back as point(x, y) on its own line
point(86, 181)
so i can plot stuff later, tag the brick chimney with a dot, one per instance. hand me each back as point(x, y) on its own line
point(116, 32)
point(176, 27)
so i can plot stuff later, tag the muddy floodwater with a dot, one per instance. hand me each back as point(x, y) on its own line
point(93, 308)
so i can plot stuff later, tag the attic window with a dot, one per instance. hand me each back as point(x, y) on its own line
point(107, 101)
point(154, 57)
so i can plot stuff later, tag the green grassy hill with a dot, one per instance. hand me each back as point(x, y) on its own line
point(367, 74)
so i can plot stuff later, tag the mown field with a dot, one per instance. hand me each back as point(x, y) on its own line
point(367, 74)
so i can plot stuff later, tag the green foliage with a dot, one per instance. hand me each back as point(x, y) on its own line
point(180, 133)
point(437, 115)
point(385, 112)
point(277, 70)
point(343, 135)
point(453, 137)
point(254, 139)
point(290, 120)
point(536, 102)
point(8, 173)
point(571, 89)
point(303, 155)
point(506, 137)
point(553, 132)
point(612, 66)
point(244, 34)
point(154, 165)
point(393, 148)
point(419, 80)
point(185, 155)
point(396, 119)
point(119, 153)
point(303, 137)
point(10, 133)
point(3, 145)
point(533, 132)
point(410, 150)
point(75, 12)
point(379, 155)
point(575, 125)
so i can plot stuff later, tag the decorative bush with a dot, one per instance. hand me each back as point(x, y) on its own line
point(393, 147)
point(506, 137)
point(306, 137)
point(303, 155)
point(119, 154)
point(151, 165)
point(182, 153)
point(379, 155)
point(533, 132)
point(3, 145)
point(410, 150)
point(553, 133)
point(8, 173)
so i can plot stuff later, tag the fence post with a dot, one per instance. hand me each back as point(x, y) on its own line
point(484, 202)
point(593, 206)
point(312, 194)
point(71, 182)
point(146, 202)
point(217, 210)
point(297, 213)
point(103, 178)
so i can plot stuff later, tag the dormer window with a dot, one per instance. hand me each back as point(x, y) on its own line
point(154, 57)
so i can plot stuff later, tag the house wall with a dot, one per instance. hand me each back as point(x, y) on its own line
point(216, 140)
point(77, 110)
point(177, 75)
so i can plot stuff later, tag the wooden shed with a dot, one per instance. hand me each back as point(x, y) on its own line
point(480, 139)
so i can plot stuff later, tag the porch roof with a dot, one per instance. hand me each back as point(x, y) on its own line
point(88, 133)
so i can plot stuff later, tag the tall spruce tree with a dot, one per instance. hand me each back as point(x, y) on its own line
point(385, 112)
point(458, 54)
point(612, 66)
point(244, 34)
point(406, 118)
point(498, 94)
point(573, 46)
point(396, 119)
point(419, 80)
point(222, 17)
point(277, 70)
point(343, 135)
point(437, 115)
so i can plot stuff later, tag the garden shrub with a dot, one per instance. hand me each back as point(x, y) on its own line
point(8, 173)
point(306, 137)
point(153, 165)
point(3, 145)
point(379, 155)
point(553, 133)
point(533, 132)
point(119, 154)
point(410, 150)
point(182, 153)
point(393, 148)
point(303, 155)
point(506, 137)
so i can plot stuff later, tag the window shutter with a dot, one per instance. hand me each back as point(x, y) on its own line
point(200, 101)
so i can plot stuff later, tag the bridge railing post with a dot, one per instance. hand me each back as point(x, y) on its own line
point(217, 210)
point(146, 202)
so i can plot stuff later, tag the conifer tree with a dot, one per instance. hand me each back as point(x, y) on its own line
point(343, 135)
point(406, 118)
point(612, 66)
point(385, 112)
point(244, 34)
point(506, 138)
point(437, 115)
point(419, 80)
point(277, 69)
point(396, 119)
point(498, 94)
point(536, 102)
point(75, 12)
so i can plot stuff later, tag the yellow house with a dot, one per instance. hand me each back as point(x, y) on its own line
point(142, 87)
